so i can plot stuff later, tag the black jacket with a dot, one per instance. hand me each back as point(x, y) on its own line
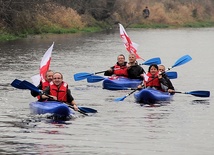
point(135, 71)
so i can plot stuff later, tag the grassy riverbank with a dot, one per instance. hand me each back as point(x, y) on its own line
point(202, 24)
point(51, 17)
point(10, 36)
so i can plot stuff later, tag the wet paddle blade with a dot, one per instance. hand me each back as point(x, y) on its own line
point(88, 110)
point(94, 78)
point(81, 76)
point(16, 84)
point(199, 93)
point(120, 99)
point(172, 75)
point(30, 86)
point(152, 61)
point(184, 59)
point(84, 110)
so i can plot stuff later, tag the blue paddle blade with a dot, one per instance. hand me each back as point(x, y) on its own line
point(120, 99)
point(184, 59)
point(94, 78)
point(16, 84)
point(81, 76)
point(172, 75)
point(87, 110)
point(30, 86)
point(199, 93)
point(152, 61)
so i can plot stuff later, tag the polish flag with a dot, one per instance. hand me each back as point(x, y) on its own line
point(45, 63)
point(44, 66)
point(131, 47)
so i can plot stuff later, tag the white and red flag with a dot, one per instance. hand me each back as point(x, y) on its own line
point(130, 46)
point(44, 66)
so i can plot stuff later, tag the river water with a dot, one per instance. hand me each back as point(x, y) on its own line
point(185, 126)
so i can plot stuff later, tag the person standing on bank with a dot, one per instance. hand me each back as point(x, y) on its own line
point(58, 91)
point(146, 12)
point(119, 69)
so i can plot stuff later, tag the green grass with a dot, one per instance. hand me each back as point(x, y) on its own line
point(45, 30)
point(199, 24)
point(8, 37)
point(150, 25)
point(57, 30)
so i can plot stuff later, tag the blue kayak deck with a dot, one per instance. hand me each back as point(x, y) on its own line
point(50, 107)
point(120, 83)
point(151, 96)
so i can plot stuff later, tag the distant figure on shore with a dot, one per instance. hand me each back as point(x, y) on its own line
point(146, 12)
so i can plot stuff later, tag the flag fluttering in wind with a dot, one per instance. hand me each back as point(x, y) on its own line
point(44, 66)
point(45, 63)
point(130, 46)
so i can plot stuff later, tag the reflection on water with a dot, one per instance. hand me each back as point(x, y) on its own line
point(207, 102)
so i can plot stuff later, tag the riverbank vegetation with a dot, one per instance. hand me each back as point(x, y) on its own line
point(23, 17)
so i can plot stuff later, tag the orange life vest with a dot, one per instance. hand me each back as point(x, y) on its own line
point(61, 92)
point(120, 70)
point(152, 81)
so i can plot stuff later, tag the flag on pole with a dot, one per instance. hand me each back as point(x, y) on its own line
point(45, 63)
point(130, 46)
point(44, 66)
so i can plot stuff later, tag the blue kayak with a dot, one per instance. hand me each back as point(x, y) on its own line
point(151, 96)
point(120, 83)
point(51, 107)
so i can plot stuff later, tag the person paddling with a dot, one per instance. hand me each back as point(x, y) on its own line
point(154, 80)
point(171, 89)
point(43, 84)
point(58, 91)
point(119, 69)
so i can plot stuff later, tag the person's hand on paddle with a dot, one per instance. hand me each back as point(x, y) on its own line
point(171, 91)
point(74, 105)
point(110, 70)
point(45, 96)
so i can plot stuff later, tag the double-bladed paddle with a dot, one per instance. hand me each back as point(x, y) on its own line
point(97, 78)
point(84, 75)
point(184, 59)
point(27, 85)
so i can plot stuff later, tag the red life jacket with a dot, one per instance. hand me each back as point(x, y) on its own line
point(120, 70)
point(153, 81)
point(61, 92)
point(44, 84)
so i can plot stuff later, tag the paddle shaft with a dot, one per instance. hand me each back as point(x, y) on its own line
point(99, 72)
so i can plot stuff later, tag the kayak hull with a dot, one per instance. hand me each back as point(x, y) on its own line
point(151, 96)
point(120, 83)
point(51, 107)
